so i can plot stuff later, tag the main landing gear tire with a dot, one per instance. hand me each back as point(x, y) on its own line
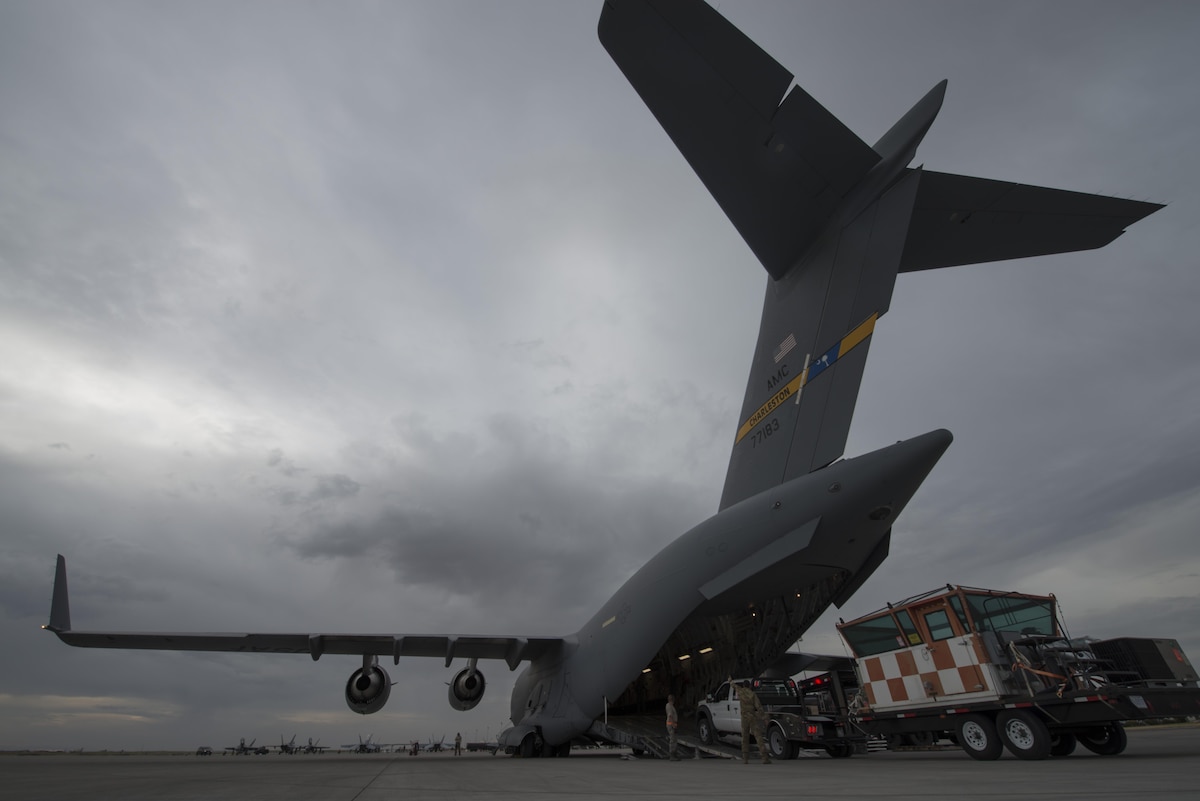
point(1107, 740)
point(1025, 735)
point(563, 750)
point(705, 730)
point(530, 746)
point(977, 736)
point(1062, 744)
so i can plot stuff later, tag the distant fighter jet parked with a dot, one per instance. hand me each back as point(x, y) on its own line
point(833, 220)
point(289, 747)
point(314, 748)
point(367, 746)
point(243, 748)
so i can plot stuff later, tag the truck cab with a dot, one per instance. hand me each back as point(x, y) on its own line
point(789, 725)
point(721, 712)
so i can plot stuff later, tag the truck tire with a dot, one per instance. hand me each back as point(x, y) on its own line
point(705, 730)
point(840, 750)
point(777, 743)
point(1107, 740)
point(1025, 735)
point(1062, 744)
point(922, 739)
point(977, 736)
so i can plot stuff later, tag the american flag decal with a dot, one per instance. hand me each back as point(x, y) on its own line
point(785, 347)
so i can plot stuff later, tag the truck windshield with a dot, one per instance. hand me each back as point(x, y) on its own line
point(873, 636)
point(1009, 613)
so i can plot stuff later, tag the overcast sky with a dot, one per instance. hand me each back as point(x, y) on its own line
point(408, 317)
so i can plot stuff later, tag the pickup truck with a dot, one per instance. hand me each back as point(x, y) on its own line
point(789, 726)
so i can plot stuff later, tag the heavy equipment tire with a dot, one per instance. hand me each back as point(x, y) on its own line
point(977, 736)
point(705, 729)
point(1107, 740)
point(1062, 744)
point(1025, 735)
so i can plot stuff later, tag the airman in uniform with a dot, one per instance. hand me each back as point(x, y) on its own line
point(753, 716)
point(672, 729)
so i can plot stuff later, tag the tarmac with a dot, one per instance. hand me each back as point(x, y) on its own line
point(1162, 763)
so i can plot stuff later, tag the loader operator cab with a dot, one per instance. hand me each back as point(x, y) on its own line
point(953, 612)
point(966, 628)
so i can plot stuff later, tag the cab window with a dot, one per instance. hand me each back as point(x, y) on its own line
point(911, 635)
point(1011, 613)
point(873, 636)
point(939, 626)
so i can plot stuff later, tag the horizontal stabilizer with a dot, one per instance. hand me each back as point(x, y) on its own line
point(962, 220)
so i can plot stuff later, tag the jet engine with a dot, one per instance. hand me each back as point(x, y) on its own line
point(368, 688)
point(467, 688)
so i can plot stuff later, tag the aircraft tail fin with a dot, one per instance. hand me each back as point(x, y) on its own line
point(817, 325)
point(832, 219)
point(777, 165)
point(901, 140)
point(60, 606)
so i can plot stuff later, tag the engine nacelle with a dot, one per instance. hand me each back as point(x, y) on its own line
point(368, 689)
point(467, 689)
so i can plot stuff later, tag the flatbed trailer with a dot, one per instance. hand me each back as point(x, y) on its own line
point(993, 670)
point(1037, 727)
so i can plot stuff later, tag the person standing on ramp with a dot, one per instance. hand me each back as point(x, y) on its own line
point(672, 729)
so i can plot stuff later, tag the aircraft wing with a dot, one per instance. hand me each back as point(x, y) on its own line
point(512, 649)
point(958, 219)
point(777, 166)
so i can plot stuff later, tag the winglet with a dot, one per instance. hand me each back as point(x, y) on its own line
point(60, 607)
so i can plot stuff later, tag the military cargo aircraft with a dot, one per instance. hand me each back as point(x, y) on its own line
point(833, 221)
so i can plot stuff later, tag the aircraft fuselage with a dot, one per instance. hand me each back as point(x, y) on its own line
point(772, 543)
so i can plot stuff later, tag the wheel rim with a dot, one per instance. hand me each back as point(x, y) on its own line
point(974, 736)
point(777, 743)
point(1019, 734)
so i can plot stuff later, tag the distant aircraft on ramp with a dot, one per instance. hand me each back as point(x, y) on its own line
point(833, 220)
point(243, 748)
